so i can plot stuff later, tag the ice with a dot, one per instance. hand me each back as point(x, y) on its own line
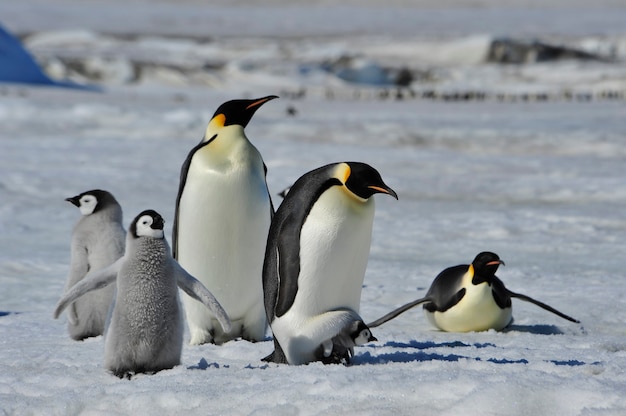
point(540, 182)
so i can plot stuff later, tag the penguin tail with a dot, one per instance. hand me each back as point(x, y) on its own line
point(397, 312)
point(277, 356)
point(542, 305)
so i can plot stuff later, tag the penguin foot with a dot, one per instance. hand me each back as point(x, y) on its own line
point(199, 337)
point(128, 374)
point(338, 355)
point(336, 358)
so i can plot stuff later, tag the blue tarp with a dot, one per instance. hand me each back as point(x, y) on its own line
point(17, 65)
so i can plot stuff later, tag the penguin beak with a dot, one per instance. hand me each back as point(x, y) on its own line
point(496, 263)
point(158, 224)
point(257, 103)
point(384, 190)
point(373, 339)
point(74, 200)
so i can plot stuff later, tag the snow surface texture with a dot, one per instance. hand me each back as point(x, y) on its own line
point(539, 183)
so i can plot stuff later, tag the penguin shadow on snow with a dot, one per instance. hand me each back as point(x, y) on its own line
point(540, 329)
point(417, 351)
point(203, 364)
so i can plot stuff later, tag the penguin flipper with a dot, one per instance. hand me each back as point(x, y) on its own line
point(542, 305)
point(397, 312)
point(72, 315)
point(184, 170)
point(194, 288)
point(272, 210)
point(95, 279)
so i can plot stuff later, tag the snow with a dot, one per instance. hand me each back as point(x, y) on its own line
point(541, 183)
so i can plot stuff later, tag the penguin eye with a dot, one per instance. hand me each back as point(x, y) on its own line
point(145, 220)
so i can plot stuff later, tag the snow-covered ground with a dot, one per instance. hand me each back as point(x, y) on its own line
point(541, 183)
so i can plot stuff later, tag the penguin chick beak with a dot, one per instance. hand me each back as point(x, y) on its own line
point(373, 339)
point(158, 224)
point(384, 190)
point(74, 201)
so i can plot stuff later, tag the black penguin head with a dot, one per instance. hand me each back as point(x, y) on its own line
point(361, 334)
point(485, 265)
point(148, 223)
point(364, 181)
point(92, 201)
point(238, 112)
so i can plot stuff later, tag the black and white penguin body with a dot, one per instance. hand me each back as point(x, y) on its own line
point(341, 347)
point(98, 240)
point(469, 297)
point(316, 255)
point(145, 331)
point(223, 214)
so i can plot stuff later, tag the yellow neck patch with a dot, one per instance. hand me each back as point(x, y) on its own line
point(217, 122)
point(343, 172)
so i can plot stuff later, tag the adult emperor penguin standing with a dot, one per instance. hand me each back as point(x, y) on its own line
point(315, 260)
point(145, 333)
point(469, 297)
point(97, 241)
point(223, 214)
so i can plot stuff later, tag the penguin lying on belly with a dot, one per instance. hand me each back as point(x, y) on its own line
point(315, 260)
point(469, 298)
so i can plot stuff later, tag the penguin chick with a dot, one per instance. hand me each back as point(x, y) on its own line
point(469, 298)
point(316, 255)
point(97, 241)
point(340, 349)
point(223, 214)
point(145, 332)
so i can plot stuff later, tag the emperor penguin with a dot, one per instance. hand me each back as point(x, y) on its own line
point(97, 241)
point(468, 298)
point(145, 331)
point(341, 347)
point(317, 251)
point(223, 214)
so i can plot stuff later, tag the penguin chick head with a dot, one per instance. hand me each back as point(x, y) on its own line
point(147, 224)
point(361, 334)
point(485, 265)
point(92, 201)
point(234, 113)
point(362, 180)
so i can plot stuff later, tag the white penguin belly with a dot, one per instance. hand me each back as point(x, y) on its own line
point(223, 221)
point(334, 249)
point(477, 311)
